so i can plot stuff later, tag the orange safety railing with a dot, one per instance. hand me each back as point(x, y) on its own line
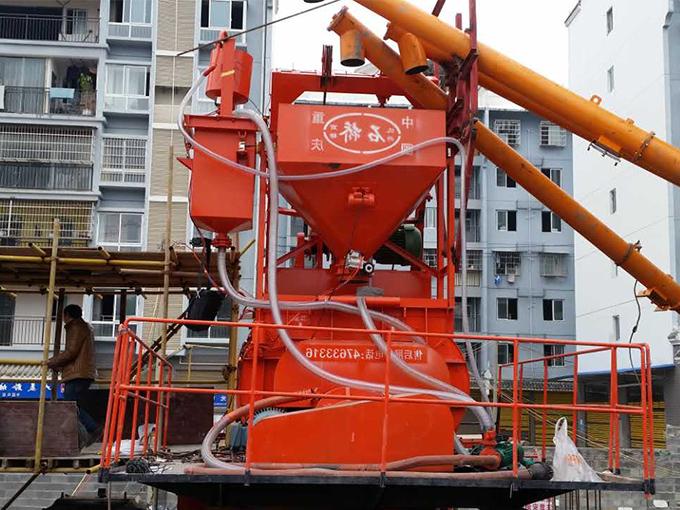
point(615, 409)
point(156, 389)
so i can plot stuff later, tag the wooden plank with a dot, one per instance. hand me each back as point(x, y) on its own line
point(18, 425)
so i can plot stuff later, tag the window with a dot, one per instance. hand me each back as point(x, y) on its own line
point(553, 310)
point(508, 263)
point(507, 308)
point(554, 174)
point(610, 20)
point(506, 221)
point(509, 131)
point(76, 21)
point(430, 217)
point(127, 88)
point(506, 353)
point(430, 257)
point(503, 181)
point(612, 201)
point(610, 79)
point(474, 315)
point(554, 350)
point(552, 135)
point(553, 264)
point(124, 160)
point(550, 222)
point(616, 324)
point(217, 15)
point(7, 319)
point(106, 313)
point(120, 231)
point(130, 19)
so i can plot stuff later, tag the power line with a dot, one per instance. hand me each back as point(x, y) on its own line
point(259, 27)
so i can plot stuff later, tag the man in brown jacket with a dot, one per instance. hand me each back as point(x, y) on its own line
point(77, 366)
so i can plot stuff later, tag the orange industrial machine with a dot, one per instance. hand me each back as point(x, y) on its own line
point(358, 178)
point(351, 363)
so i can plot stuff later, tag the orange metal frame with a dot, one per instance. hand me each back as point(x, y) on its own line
point(129, 385)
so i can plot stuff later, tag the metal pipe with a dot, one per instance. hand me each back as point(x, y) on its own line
point(620, 136)
point(484, 461)
point(661, 288)
point(56, 229)
point(57, 339)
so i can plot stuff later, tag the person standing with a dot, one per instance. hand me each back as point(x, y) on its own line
point(77, 366)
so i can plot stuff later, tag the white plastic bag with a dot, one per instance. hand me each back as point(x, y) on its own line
point(568, 464)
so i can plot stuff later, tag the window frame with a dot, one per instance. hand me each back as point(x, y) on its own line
point(508, 214)
point(507, 301)
point(505, 353)
point(559, 265)
point(513, 259)
point(126, 96)
point(121, 245)
point(555, 223)
point(616, 326)
point(554, 174)
point(554, 350)
point(503, 180)
point(509, 130)
point(552, 135)
point(552, 302)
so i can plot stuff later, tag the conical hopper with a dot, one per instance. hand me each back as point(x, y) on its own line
point(359, 211)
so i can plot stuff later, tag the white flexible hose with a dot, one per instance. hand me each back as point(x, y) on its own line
point(481, 415)
point(303, 177)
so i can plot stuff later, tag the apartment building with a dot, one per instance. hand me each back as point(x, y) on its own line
point(520, 259)
point(89, 95)
point(626, 53)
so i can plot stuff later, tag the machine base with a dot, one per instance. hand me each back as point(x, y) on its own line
point(370, 490)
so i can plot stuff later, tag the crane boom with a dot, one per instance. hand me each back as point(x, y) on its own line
point(585, 118)
point(662, 289)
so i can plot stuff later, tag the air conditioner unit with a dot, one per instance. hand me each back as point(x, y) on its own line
point(511, 278)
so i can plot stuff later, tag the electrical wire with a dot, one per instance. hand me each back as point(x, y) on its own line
point(258, 27)
point(634, 330)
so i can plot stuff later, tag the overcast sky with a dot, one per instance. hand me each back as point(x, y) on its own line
point(530, 31)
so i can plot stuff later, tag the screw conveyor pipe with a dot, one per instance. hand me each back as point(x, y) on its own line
point(662, 289)
point(584, 117)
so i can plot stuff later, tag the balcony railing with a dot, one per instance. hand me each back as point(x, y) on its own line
point(45, 176)
point(21, 330)
point(26, 221)
point(48, 101)
point(32, 27)
point(129, 30)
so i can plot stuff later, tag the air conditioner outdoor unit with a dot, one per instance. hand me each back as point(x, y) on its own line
point(511, 278)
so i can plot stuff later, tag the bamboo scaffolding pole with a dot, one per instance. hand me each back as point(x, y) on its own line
point(46, 347)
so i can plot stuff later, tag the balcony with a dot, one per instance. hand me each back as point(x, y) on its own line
point(34, 27)
point(48, 144)
point(124, 160)
point(47, 101)
point(21, 331)
point(26, 221)
point(45, 176)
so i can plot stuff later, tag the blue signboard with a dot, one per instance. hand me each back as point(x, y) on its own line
point(220, 400)
point(21, 390)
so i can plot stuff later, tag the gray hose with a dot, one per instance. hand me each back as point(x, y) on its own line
point(274, 305)
point(482, 416)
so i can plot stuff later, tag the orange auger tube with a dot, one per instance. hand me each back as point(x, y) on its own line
point(587, 118)
point(421, 91)
point(661, 288)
